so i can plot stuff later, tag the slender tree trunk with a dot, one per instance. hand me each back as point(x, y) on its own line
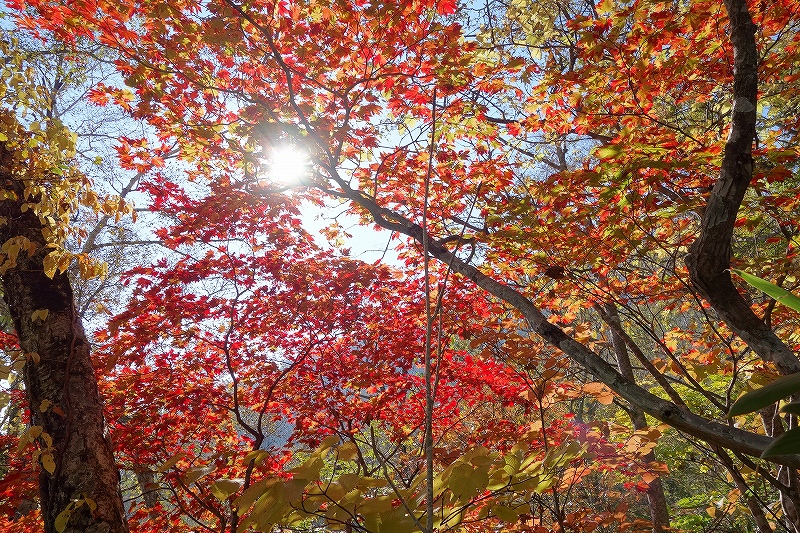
point(59, 379)
point(656, 499)
point(755, 507)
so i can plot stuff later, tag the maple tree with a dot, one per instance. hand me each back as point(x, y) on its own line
point(583, 173)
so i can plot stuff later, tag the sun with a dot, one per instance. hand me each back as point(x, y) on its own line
point(287, 165)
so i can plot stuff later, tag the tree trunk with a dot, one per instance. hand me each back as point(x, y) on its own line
point(656, 500)
point(59, 378)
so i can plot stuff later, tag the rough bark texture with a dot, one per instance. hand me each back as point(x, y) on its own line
point(62, 375)
point(710, 255)
point(656, 500)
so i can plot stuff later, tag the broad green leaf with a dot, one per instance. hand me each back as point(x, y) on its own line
point(499, 479)
point(786, 444)
point(328, 442)
point(349, 481)
point(448, 518)
point(267, 510)
point(466, 482)
point(559, 456)
point(337, 518)
point(396, 521)
point(372, 482)
point(275, 503)
point(310, 469)
point(791, 408)
point(378, 504)
point(767, 395)
point(335, 491)
point(780, 295)
point(251, 494)
point(513, 460)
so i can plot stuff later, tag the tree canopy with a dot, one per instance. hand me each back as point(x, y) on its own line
point(568, 184)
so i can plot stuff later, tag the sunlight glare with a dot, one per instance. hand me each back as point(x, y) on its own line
point(287, 165)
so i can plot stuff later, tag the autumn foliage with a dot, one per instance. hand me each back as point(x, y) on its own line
point(557, 177)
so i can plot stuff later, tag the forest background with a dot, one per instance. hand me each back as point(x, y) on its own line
point(558, 346)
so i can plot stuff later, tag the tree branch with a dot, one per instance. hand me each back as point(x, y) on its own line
point(709, 257)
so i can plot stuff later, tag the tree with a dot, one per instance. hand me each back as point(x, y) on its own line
point(562, 158)
point(78, 478)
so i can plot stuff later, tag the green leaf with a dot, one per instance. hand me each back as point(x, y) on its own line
point(310, 469)
point(559, 456)
point(396, 521)
point(349, 481)
point(251, 494)
point(376, 505)
point(767, 395)
point(786, 444)
point(780, 295)
point(791, 408)
point(466, 482)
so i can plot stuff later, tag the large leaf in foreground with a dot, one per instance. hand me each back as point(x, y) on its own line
point(781, 295)
point(768, 394)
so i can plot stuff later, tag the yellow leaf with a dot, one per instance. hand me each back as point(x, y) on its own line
point(40, 314)
point(45, 405)
point(50, 263)
point(63, 518)
point(64, 261)
point(347, 451)
point(48, 462)
point(91, 503)
point(169, 463)
point(224, 488)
